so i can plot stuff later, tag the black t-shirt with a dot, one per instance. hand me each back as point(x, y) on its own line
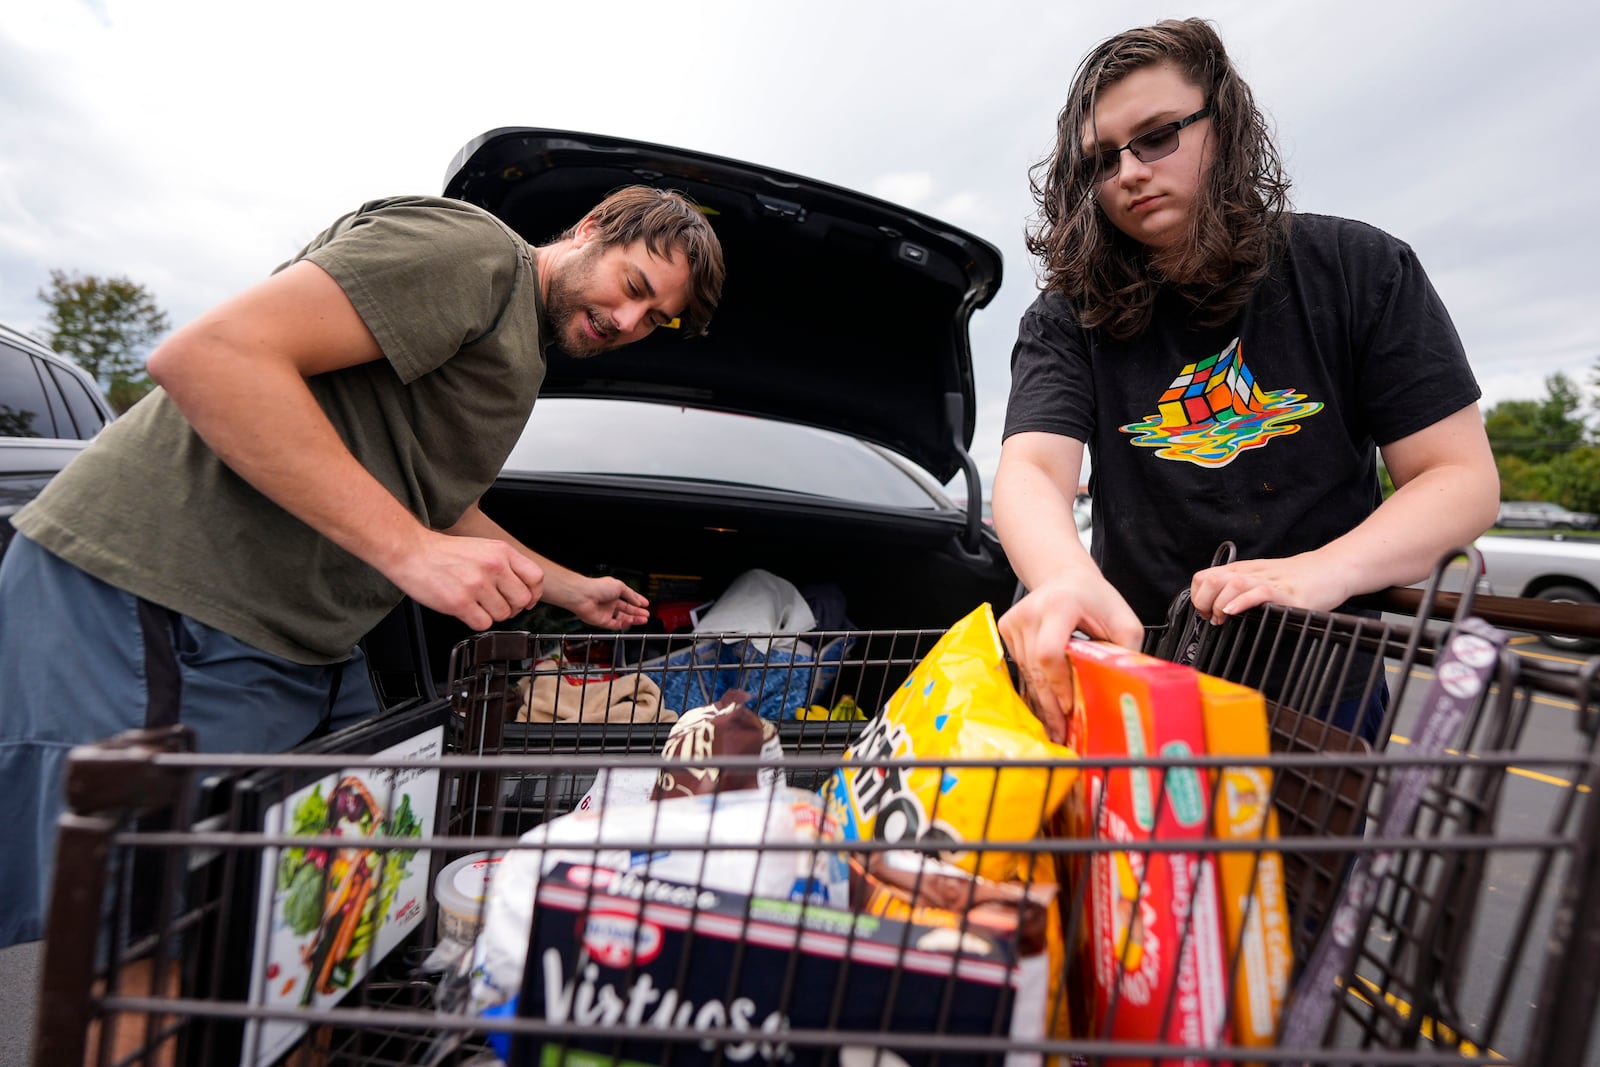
point(1262, 431)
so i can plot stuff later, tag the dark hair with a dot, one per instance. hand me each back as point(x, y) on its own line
point(1240, 219)
point(665, 219)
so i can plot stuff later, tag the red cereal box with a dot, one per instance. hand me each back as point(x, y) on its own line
point(1153, 947)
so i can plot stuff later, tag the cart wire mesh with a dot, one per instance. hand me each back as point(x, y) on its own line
point(173, 889)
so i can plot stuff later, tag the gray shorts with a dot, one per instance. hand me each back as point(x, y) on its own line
point(81, 661)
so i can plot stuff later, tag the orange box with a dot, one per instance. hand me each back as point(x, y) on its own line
point(1144, 906)
point(1254, 914)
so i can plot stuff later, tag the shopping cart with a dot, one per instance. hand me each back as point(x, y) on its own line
point(1448, 874)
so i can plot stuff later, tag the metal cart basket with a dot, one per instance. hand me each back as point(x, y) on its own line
point(1436, 881)
point(840, 677)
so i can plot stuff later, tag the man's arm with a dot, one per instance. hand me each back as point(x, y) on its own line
point(603, 602)
point(1446, 493)
point(1034, 487)
point(238, 373)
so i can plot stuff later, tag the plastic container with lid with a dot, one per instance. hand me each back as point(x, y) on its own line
point(460, 889)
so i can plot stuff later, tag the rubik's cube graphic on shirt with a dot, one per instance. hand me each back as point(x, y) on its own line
point(1219, 387)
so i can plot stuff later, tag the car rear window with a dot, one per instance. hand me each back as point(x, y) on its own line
point(87, 419)
point(613, 437)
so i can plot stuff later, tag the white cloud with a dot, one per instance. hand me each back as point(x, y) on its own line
point(912, 190)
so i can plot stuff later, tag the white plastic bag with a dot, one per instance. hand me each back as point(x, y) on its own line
point(710, 842)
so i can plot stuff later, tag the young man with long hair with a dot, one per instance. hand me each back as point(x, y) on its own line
point(1233, 368)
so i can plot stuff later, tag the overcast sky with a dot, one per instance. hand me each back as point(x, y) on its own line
point(192, 145)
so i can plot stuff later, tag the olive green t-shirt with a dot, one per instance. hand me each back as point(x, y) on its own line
point(452, 296)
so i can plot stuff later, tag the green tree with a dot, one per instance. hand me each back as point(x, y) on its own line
point(1513, 429)
point(106, 326)
point(1594, 400)
point(1573, 479)
point(1538, 430)
point(1561, 414)
point(1519, 479)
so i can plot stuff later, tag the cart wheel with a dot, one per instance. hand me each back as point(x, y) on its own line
point(1569, 594)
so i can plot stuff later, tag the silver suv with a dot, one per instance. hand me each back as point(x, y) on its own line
point(49, 409)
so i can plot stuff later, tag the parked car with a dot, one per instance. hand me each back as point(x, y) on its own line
point(1083, 515)
point(49, 409)
point(1543, 515)
point(809, 434)
point(1563, 571)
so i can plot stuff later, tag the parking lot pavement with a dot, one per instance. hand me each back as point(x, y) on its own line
point(19, 983)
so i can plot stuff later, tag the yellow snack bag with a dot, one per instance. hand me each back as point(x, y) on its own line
point(957, 704)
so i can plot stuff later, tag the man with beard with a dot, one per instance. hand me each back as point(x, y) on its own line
point(315, 452)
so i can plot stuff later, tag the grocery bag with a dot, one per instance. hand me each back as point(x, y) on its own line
point(780, 673)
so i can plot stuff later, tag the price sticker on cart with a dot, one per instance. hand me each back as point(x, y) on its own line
point(332, 909)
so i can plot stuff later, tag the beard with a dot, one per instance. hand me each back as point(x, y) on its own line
point(568, 315)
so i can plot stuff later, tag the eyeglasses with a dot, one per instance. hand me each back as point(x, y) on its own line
point(1148, 147)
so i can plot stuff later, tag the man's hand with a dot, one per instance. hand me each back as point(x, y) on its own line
point(604, 602)
point(479, 580)
point(1296, 582)
point(609, 604)
point(1037, 628)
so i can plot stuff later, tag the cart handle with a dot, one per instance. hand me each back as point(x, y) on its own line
point(1518, 613)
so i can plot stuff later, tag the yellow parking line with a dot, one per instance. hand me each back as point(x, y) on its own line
point(1553, 657)
point(1429, 1026)
point(1521, 772)
point(1427, 675)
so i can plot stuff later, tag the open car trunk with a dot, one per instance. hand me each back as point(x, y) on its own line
point(840, 349)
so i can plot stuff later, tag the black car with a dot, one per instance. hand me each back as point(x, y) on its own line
point(808, 435)
point(49, 409)
point(1543, 515)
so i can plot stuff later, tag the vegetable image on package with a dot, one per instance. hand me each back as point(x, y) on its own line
point(332, 908)
point(341, 895)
